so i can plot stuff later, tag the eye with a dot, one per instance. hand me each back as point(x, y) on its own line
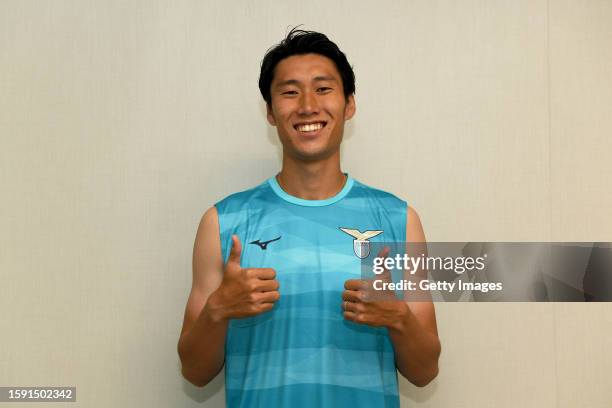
point(289, 93)
point(325, 88)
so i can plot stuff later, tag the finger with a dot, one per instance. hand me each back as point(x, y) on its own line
point(351, 296)
point(261, 273)
point(386, 276)
point(269, 297)
point(351, 306)
point(352, 316)
point(267, 285)
point(264, 307)
point(355, 284)
point(384, 252)
point(235, 251)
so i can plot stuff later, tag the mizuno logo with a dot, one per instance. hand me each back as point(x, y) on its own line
point(361, 244)
point(263, 245)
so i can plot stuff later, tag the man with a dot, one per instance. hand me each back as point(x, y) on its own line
point(277, 295)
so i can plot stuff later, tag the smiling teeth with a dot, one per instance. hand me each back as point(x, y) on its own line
point(310, 127)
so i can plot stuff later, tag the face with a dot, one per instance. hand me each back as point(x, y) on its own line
point(309, 107)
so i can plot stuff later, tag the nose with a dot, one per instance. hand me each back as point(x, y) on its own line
point(308, 104)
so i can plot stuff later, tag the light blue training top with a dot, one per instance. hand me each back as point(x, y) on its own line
point(303, 353)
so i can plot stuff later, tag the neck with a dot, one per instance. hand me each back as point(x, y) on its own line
point(317, 180)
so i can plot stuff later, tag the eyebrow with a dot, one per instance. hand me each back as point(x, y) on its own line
point(315, 79)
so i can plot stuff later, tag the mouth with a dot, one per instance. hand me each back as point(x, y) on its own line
point(310, 129)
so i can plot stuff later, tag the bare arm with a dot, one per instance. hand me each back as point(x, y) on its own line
point(415, 336)
point(219, 293)
point(411, 324)
point(202, 340)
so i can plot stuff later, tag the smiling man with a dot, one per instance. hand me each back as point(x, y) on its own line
point(277, 295)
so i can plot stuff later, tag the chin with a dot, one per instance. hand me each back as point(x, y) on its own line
point(316, 150)
point(311, 155)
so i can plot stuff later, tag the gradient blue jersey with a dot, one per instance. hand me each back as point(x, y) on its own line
point(303, 353)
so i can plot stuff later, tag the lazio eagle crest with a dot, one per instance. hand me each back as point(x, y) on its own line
point(361, 244)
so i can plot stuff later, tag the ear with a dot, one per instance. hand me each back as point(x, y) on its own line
point(350, 108)
point(270, 115)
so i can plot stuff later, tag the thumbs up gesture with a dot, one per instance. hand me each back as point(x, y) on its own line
point(244, 292)
point(363, 304)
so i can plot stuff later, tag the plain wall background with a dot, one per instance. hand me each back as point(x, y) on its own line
point(121, 122)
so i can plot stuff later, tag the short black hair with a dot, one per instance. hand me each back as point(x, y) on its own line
point(298, 42)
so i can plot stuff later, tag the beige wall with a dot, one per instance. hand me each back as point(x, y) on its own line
point(121, 122)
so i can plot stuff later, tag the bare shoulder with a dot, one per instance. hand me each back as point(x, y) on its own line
point(209, 221)
point(414, 227)
point(207, 262)
point(207, 267)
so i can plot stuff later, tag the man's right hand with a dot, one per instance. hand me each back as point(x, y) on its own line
point(243, 292)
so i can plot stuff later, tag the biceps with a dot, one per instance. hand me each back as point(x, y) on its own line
point(207, 267)
point(206, 279)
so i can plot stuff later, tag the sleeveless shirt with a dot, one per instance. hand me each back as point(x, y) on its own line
point(303, 353)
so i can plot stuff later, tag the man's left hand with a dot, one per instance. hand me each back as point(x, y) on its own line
point(365, 305)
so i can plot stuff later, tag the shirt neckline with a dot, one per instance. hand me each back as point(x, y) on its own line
point(348, 184)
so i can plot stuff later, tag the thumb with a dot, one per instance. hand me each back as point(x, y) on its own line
point(385, 276)
point(383, 253)
point(235, 251)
